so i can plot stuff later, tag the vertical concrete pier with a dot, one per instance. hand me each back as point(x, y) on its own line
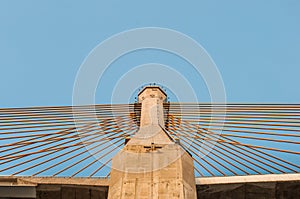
point(152, 165)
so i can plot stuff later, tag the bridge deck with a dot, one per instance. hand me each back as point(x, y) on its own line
point(17, 181)
point(271, 186)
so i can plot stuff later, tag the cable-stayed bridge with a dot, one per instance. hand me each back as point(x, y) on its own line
point(232, 139)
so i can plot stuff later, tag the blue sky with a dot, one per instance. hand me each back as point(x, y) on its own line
point(255, 45)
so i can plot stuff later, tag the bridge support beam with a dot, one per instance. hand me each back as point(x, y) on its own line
point(152, 165)
point(17, 191)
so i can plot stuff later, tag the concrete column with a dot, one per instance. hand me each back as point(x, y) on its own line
point(152, 165)
point(152, 99)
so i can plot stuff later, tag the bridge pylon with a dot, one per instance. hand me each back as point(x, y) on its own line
point(152, 165)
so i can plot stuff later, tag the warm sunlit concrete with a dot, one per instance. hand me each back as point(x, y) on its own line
point(152, 165)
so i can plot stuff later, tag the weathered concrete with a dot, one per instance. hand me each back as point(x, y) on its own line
point(53, 187)
point(64, 188)
point(152, 165)
point(71, 192)
point(17, 191)
point(56, 180)
point(258, 190)
point(34, 181)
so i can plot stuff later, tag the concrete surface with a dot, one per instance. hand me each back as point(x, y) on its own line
point(45, 189)
point(152, 165)
point(260, 190)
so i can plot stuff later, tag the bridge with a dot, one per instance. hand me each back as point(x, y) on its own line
point(233, 148)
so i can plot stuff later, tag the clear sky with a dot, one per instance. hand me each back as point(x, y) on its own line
point(255, 45)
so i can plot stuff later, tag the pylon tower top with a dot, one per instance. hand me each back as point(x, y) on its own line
point(152, 92)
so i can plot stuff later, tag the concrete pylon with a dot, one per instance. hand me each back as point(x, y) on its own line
point(152, 165)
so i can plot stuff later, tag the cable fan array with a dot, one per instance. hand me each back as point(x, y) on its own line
point(63, 141)
point(238, 139)
point(223, 139)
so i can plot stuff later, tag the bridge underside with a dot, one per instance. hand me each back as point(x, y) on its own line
point(256, 144)
point(256, 186)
